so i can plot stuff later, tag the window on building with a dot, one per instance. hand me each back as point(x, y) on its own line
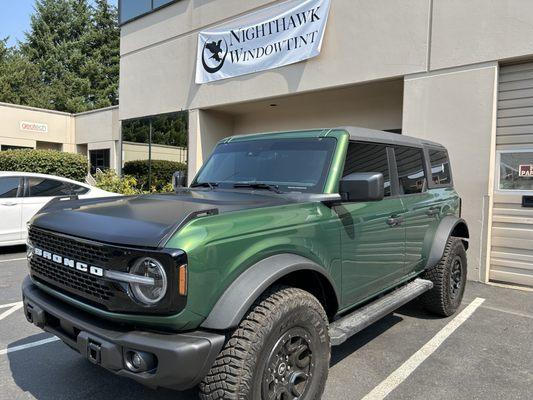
point(368, 157)
point(9, 187)
point(516, 170)
point(5, 147)
point(99, 160)
point(411, 171)
point(154, 147)
point(440, 167)
point(130, 9)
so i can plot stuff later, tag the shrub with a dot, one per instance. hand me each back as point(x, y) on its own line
point(68, 165)
point(162, 171)
point(110, 181)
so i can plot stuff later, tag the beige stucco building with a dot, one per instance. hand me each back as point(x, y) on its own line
point(457, 72)
point(95, 134)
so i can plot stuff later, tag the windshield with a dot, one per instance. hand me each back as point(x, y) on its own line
point(290, 165)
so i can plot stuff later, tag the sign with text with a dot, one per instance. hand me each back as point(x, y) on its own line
point(525, 171)
point(33, 127)
point(283, 34)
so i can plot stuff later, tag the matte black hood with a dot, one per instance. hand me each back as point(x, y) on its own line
point(146, 220)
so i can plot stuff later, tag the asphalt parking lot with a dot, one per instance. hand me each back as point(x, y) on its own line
point(484, 352)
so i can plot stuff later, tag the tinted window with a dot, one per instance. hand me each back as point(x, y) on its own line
point(365, 157)
point(411, 170)
point(130, 9)
point(440, 167)
point(78, 190)
point(9, 187)
point(99, 160)
point(159, 3)
point(295, 165)
point(516, 170)
point(40, 187)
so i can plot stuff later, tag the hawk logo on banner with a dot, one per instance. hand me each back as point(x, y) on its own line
point(280, 35)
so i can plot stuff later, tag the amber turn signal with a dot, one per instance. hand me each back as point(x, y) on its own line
point(182, 280)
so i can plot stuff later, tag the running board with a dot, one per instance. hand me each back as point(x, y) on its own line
point(342, 329)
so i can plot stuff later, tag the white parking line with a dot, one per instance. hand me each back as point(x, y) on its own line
point(27, 346)
point(10, 304)
point(13, 259)
point(397, 377)
point(11, 310)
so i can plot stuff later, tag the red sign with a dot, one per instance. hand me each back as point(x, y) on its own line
point(525, 171)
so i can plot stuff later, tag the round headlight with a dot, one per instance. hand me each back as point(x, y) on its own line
point(146, 293)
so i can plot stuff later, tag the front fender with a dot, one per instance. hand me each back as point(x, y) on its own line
point(241, 294)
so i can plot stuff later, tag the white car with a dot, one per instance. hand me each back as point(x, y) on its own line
point(22, 194)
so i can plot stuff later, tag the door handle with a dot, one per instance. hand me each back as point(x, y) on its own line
point(432, 211)
point(9, 204)
point(394, 220)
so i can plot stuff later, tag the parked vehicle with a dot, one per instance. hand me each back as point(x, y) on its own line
point(22, 194)
point(284, 244)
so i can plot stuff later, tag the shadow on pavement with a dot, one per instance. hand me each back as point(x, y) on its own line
point(55, 372)
point(13, 249)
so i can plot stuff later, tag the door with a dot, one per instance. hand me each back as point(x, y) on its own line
point(38, 192)
point(373, 237)
point(421, 209)
point(10, 209)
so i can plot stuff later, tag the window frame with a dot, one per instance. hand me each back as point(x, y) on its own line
point(498, 172)
point(105, 149)
point(391, 161)
point(27, 191)
point(152, 9)
point(425, 163)
point(431, 183)
point(20, 189)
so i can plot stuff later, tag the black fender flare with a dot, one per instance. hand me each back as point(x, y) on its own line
point(447, 226)
point(241, 294)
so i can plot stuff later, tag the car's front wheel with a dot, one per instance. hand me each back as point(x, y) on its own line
point(279, 351)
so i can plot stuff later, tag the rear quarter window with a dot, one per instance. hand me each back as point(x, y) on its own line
point(440, 167)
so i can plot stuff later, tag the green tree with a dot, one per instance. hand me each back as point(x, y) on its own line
point(75, 49)
point(20, 81)
point(102, 67)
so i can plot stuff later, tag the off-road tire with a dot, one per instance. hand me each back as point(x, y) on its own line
point(446, 295)
point(239, 370)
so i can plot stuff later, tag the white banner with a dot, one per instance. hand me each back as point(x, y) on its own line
point(275, 36)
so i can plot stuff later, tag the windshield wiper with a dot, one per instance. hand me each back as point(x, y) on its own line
point(210, 185)
point(258, 185)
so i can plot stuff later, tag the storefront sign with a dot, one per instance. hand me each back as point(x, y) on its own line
point(525, 171)
point(33, 127)
point(279, 35)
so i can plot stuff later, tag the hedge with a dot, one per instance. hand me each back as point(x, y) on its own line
point(162, 171)
point(68, 165)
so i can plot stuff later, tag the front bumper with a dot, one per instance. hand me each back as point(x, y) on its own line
point(182, 359)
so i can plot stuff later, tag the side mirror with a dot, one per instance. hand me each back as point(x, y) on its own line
point(179, 179)
point(362, 186)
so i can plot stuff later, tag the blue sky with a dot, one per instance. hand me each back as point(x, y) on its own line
point(15, 18)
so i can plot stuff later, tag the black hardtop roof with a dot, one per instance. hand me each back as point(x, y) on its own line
point(372, 135)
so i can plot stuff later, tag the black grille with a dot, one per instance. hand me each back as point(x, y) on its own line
point(76, 249)
point(68, 277)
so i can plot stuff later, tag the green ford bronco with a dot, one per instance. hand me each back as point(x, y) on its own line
point(284, 245)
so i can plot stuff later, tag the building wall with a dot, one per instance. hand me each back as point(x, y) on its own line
point(60, 127)
point(139, 151)
point(457, 108)
point(365, 40)
point(74, 133)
